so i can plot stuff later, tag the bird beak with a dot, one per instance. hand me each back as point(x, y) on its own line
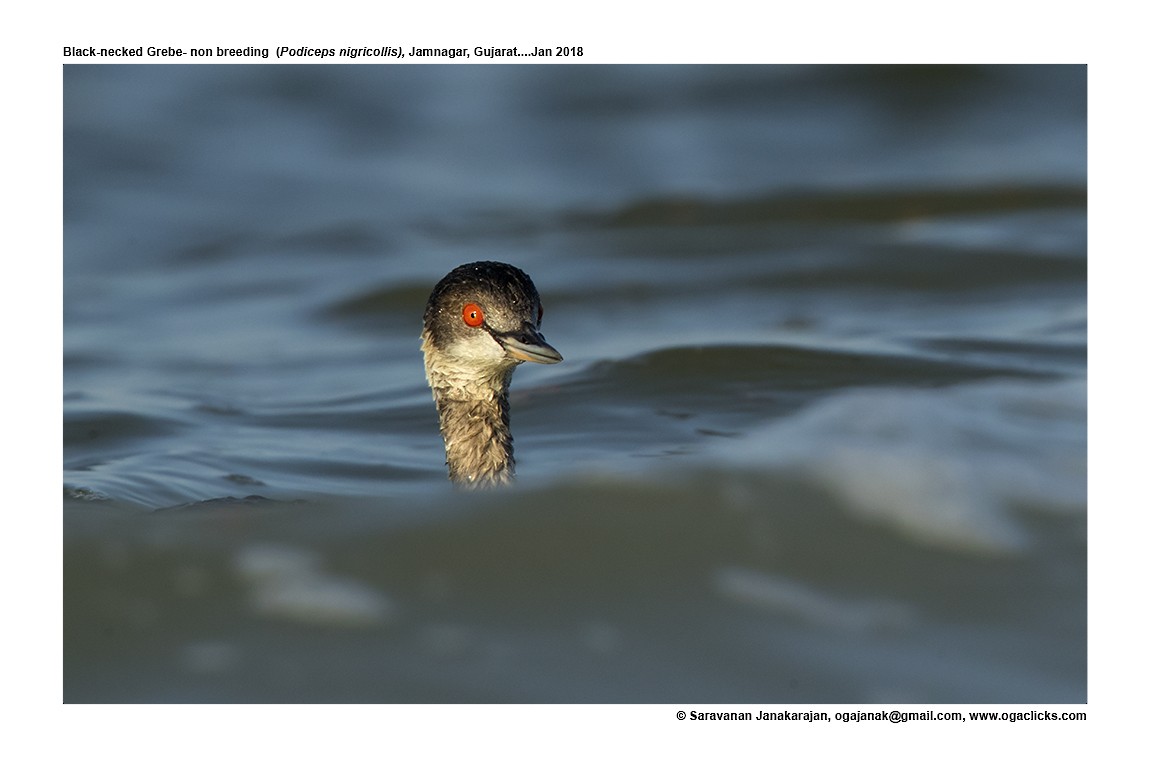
point(530, 346)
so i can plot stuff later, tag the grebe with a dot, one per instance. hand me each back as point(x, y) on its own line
point(481, 321)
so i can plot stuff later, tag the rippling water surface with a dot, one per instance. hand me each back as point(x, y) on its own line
point(819, 434)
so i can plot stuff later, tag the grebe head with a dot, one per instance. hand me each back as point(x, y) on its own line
point(481, 321)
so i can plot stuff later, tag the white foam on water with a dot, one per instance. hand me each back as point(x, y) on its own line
point(289, 583)
point(949, 467)
point(777, 594)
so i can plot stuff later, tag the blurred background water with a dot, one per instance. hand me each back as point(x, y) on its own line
point(819, 436)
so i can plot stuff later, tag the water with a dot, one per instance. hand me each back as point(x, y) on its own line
point(819, 434)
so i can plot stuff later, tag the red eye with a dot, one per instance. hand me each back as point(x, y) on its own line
point(473, 315)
